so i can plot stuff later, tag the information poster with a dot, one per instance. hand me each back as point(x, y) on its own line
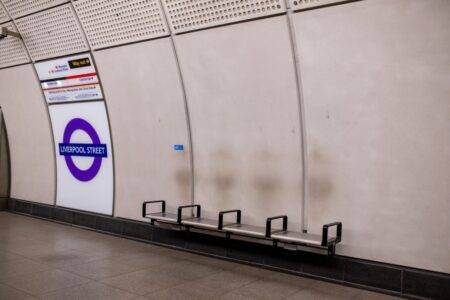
point(83, 156)
point(69, 79)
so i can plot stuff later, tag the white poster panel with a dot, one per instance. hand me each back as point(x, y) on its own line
point(68, 79)
point(83, 156)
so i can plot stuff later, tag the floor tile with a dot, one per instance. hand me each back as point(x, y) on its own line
point(366, 295)
point(234, 296)
point(44, 282)
point(186, 270)
point(144, 259)
point(312, 294)
point(226, 281)
point(268, 289)
point(90, 291)
point(12, 268)
point(10, 293)
point(100, 269)
point(53, 261)
point(214, 262)
point(8, 256)
point(143, 282)
point(291, 279)
point(335, 289)
point(61, 258)
point(186, 291)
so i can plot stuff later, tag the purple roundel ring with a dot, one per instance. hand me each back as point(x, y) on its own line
point(91, 172)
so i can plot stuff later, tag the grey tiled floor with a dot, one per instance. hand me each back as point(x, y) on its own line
point(45, 260)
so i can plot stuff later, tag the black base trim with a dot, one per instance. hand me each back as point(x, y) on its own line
point(381, 277)
point(3, 204)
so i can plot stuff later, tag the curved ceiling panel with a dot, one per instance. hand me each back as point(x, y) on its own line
point(18, 8)
point(12, 50)
point(188, 15)
point(51, 33)
point(3, 14)
point(114, 22)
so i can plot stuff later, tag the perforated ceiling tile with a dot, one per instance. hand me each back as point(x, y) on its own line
point(115, 22)
point(302, 4)
point(12, 50)
point(53, 32)
point(3, 15)
point(18, 8)
point(186, 15)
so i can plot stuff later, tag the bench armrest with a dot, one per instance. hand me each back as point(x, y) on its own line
point(238, 216)
point(325, 233)
point(144, 206)
point(269, 224)
point(180, 211)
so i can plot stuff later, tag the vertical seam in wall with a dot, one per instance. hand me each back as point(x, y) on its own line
point(8, 154)
point(186, 105)
point(55, 169)
point(302, 120)
point(113, 212)
point(1, 143)
point(1, 137)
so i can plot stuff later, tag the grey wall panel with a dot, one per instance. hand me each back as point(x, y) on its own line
point(147, 116)
point(109, 23)
point(12, 50)
point(53, 32)
point(19, 8)
point(376, 88)
point(3, 14)
point(242, 97)
point(29, 134)
point(188, 15)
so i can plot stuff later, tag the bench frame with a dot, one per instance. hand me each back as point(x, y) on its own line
point(326, 243)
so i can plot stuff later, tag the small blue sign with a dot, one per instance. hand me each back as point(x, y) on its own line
point(178, 147)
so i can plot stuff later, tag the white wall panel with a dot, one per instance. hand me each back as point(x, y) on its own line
point(12, 50)
point(146, 108)
point(19, 8)
point(187, 15)
point(376, 86)
point(242, 97)
point(84, 181)
point(53, 32)
point(29, 134)
point(109, 23)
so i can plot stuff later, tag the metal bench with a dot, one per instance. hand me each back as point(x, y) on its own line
point(197, 221)
point(161, 216)
point(238, 227)
point(283, 235)
point(178, 218)
point(300, 238)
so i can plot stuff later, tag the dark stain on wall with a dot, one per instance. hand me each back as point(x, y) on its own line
point(265, 180)
point(182, 177)
point(223, 181)
point(320, 183)
point(183, 181)
point(266, 185)
point(320, 187)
